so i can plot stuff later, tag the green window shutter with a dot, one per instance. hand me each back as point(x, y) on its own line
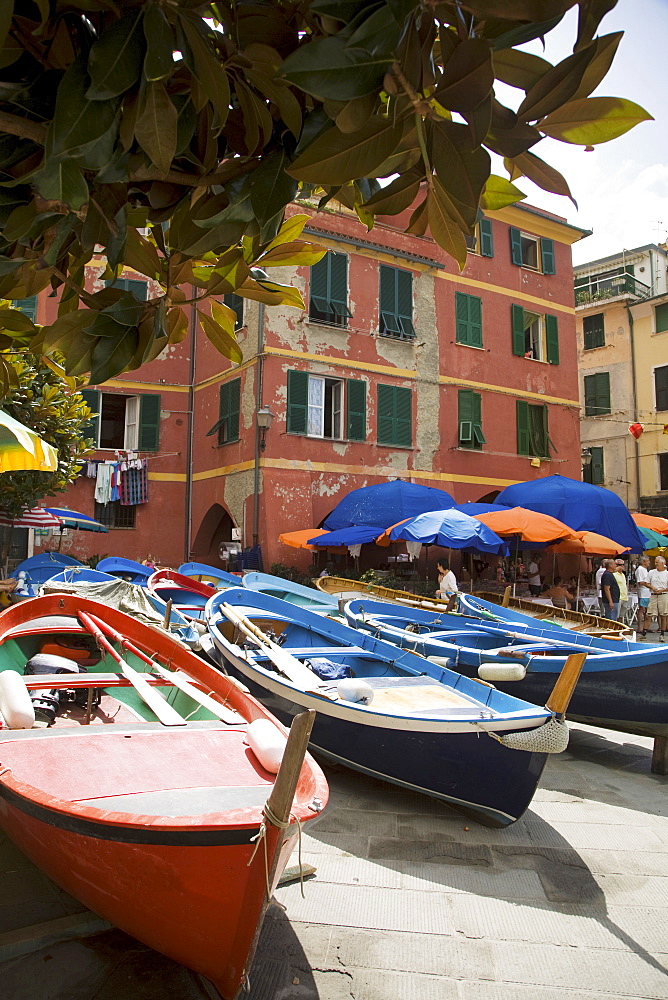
point(319, 284)
point(552, 338)
point(523, 441)
point(468, 312)
point(516, 248)
point(478, 437)
point(661, 315)
point(597, 394)
point(92, 399)
point(235, 302)
point(661, 387)
point(590, 395)
point(547, 256)
point(138, 288)
point(356, 422)
point(389, 316)
point(297, 402)
point(338, 283)
point(228, 419)
point(486, 238)
point(405, 302)
point(465, 417)
point(328, 301)
point(603, 392)
point(596, 467)
point(27, 306)
point(538, 432)
point(593, 328)
point(149, 422)
point(395, 416)
point(517, 314)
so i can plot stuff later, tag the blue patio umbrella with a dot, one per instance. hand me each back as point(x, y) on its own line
point(653, 540)
point(386, 503)
point(73, 519)
point(473, 509)
point(581, 506)
point(355, 535)
point(451, 529)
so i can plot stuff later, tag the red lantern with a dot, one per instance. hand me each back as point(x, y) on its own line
point(636, 430)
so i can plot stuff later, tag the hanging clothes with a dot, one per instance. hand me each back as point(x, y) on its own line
point(103, 483)
point(134, 483)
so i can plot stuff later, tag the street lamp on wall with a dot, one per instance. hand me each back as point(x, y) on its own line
point(264, 421)
point(585, 458)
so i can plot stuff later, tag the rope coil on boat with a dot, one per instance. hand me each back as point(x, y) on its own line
point(550, 738)
point(261, 838)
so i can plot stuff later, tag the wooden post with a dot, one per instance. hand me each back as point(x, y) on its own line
point(168, 615)
point(660, 755)
point(565, 684)
point(506, 598)
point(283, 792)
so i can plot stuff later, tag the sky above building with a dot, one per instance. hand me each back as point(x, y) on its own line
point(622, 186)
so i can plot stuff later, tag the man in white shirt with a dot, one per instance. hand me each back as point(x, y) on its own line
point(533, 577)
point(658, 602)
point(644, 593)
point(599, 574)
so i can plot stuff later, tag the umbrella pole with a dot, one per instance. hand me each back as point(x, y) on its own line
point(517, 546)
point(60, 540)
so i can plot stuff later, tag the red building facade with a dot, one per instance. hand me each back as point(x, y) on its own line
point(399, 367)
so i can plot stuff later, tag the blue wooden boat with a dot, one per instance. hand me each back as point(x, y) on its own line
point(425, 727)
point(624, 684)
point(293, 593)
point(126, 569)
point(38, 569)
point(523, 610)
point(217, 578)
point(81, 574)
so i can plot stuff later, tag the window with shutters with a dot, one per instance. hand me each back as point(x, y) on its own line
point(227, 425)
point(594, 331)
point(235, 302)
point(594, 472)
point(533, 436)
point(27, 306)
point(470, 419)
point(663, 470)
point(532, 251)
point(482, 240)
point(324, 407)
point(138, 288)
point(395, 416)
point(661, 387)
point(328, 301)
point(597, 394)
point(115, 514)
point(535, 336)
point(396, 303)
point(660, 317)
point(468, 319)
point(123, 423)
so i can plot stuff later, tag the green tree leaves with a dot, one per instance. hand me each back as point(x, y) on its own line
point(201, 122)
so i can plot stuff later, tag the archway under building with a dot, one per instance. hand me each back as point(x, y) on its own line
point(489, 497)
point(216, 538)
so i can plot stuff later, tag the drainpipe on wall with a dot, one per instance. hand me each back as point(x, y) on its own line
point(258, 406)
point(191, 429)
point(634, 401)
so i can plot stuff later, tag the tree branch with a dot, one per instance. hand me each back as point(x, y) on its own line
point(25, 128)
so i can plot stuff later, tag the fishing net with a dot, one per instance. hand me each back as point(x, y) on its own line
point(550, 738)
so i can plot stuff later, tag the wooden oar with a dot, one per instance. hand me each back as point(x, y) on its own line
point(564, 687)
point(179, 680)
point(155, 701)
point(284, 662)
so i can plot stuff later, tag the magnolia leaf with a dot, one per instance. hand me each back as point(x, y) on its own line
point(397, 196)
point(293, 254)
point(444, 229)
point(224, 342)
point(271, 293)
point(326, 68)
point(115, 60)
point(15, 321)
point(355, 113)
point(557, 86)
point(159, 61)
point(271, 188)
point(63, 181)
point(58, 335)
point(541, 173)
point(605, 49)
point(591, 13)
point(58, 370)
point(461, 171)
point(210, 72)
point(141, 255)
point(336, 157)
point(112, 355)
point(593, 120)
point(156, 125)
point(517, 10)
point(6, 12)
point(518, 68)
point(78, 122)
point(468, 76)
point(280, 95)
point(289, 231)
point(176, 324)
point(498, 193)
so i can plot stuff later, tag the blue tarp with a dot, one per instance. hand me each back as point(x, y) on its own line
point(451, 529)
point(354, 535)
point(386, 503)
point(581, 506)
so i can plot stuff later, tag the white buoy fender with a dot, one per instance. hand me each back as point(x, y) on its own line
point(502, 672)
point(16, 706)
point(355, 689)
point(267, 743)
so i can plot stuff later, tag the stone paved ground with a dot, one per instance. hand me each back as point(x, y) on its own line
point(413, 902)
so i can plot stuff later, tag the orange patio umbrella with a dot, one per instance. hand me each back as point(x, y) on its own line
point(652, 522)
point(384, 539)
point(588, 543)
point(299, 539)
point(529, 525)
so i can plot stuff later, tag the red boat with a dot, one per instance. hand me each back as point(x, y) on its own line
point(188, 595)
point(136, 781)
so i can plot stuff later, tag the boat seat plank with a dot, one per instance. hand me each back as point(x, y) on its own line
point(184, 801)
point(328, 651)
point(420, 698)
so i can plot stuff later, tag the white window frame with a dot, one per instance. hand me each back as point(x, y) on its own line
point(131, 423)
point(317, 407)
point(527, 237)
point(541, 339)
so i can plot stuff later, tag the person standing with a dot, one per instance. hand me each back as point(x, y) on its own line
point(599, 593)
point(610, 590)
point(644, 593)
point(447, 584)
point(533, 574)
point(620, 577)
point(658, 602)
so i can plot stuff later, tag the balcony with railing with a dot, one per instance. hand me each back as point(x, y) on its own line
point(597, 288)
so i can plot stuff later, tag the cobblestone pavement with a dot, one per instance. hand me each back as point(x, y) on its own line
point(413, 902)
